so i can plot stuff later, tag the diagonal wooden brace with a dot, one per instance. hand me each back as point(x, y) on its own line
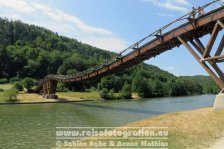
point(212, 40)
point(218, 81)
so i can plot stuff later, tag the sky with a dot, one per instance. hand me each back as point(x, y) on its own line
point(112, 25)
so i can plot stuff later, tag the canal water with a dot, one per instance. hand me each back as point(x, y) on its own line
point(34, 126)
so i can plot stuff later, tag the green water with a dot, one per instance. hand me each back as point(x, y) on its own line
point(34, 126)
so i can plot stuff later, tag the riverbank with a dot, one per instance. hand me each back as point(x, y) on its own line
point(31, 98)
point(189, 129)
point(196, 129)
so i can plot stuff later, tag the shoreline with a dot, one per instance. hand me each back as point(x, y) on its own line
point(44, 102)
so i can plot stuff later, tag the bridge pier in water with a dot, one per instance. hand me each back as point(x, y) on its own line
point(49, 89)
point(202, 54)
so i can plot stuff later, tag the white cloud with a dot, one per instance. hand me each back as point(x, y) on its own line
point(164, 15)
point(184, 2)
point(174, 5)
point(19, 6)
point(59, 21)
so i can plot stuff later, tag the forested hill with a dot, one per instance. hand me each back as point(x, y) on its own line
point(32, 51)
point(35, 51)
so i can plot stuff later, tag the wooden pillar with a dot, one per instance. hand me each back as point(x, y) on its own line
point(44, 88)
point(49, 88)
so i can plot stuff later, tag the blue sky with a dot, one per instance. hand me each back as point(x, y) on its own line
point(109, 24)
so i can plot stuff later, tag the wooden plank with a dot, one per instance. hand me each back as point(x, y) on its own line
point(214, 58)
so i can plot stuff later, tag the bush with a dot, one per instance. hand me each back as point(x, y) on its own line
point(111, 95)
point(3, 81)
point(118, 97)
point(18, 86)
point(144, 90)
point(104, 93)
point(126, 91)
point(11, 95)
point(62, 88)
point(98, 87)
point(14, 79)
point(91, 89)
point(28, 83)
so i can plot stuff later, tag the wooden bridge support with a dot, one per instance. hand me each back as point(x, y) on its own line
point(49, 89)
point(208, 62)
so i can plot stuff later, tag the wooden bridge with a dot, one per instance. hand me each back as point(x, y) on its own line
point(187, 31)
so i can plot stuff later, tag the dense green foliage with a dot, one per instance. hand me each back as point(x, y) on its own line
point(34, 52)
point(3, 81)
point(18, 86)
point(28, 83)
point(150, 81)
point(104, 93)
point(31, 51)
point(126, 91)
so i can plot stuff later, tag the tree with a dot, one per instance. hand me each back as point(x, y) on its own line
point(157, 88)
point(144, 89)
point(18, 86)
point(210, 88)
point(28, 83)
point(176, 88)
point(112, 82)
point(104, 93)
point(11, 95)
point(126, 91)
point(111, 94)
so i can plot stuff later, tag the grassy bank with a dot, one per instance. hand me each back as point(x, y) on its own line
point(190, 129)
point(79, 95)
point(63, 96)
point(6, 86)
point(197, 129)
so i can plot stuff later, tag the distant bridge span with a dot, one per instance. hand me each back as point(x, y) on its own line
point(186, 31)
